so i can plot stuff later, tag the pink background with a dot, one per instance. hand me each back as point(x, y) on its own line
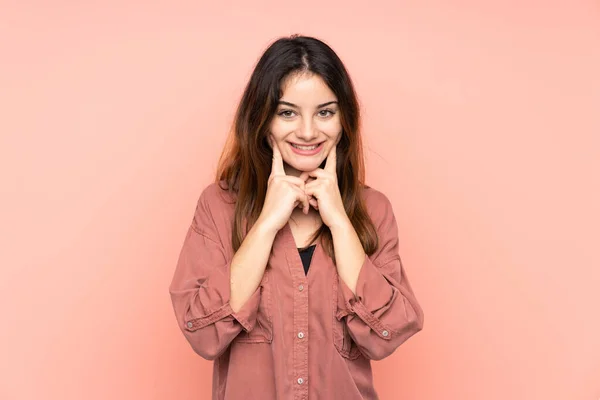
point(481, 123)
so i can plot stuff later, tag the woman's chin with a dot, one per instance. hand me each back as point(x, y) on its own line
point(306, 167)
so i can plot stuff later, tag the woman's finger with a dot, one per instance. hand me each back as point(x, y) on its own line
point(304, 176)
point(277, 164)
point(302, 198)
point(294, 180)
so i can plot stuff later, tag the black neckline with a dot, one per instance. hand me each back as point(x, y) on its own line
point(308, 248)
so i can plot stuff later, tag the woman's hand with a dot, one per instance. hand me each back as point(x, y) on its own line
point(284, 194)
point(327, 193)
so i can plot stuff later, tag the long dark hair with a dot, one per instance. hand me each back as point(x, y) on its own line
point(246, 160)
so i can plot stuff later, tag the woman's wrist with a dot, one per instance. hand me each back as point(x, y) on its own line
point(342, 226)
point(264, 229)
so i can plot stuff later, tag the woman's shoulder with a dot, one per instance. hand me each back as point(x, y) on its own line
point(377, 203)
point(216, 198)
point(216, 193)
point(374, 197)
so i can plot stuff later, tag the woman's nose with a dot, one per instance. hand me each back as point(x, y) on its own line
point(307, 131)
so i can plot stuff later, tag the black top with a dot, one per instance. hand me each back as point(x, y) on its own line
point(306, 256)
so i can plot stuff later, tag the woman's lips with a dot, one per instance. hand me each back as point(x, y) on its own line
point(307, 152)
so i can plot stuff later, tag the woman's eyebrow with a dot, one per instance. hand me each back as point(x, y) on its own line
point(295, 106)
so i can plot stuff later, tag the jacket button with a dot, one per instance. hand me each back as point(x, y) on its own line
point(300, 381)
point(300, 335)
point(301, 287)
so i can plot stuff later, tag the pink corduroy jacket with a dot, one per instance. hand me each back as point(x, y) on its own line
point(299, 336)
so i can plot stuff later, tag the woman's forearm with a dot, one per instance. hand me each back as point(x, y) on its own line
point(349, 253)
point(249, 263)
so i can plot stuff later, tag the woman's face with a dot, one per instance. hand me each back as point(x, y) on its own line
point(307, 115)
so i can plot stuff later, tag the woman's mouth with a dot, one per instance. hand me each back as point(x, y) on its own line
point(306, 150)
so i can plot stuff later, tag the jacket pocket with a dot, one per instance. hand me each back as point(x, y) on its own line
point(341, 336)
point(263, 330)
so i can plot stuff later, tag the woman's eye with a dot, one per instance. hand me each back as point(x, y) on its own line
point(291, 113)
point(286, 113)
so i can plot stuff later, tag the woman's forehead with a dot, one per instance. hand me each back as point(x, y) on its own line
point(306, 90)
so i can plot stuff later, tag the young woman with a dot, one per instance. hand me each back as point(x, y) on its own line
point(289, 277)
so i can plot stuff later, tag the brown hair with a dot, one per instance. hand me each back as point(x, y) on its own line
point(245, 163)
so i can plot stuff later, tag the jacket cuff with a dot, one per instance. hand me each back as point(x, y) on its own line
point(216, 293)
point(246, 315)
point(374, 293)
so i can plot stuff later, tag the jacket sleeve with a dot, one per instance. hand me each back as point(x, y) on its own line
point(200, 290)
point(384, 313)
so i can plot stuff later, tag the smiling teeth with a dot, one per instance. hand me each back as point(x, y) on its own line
point(305, 147)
